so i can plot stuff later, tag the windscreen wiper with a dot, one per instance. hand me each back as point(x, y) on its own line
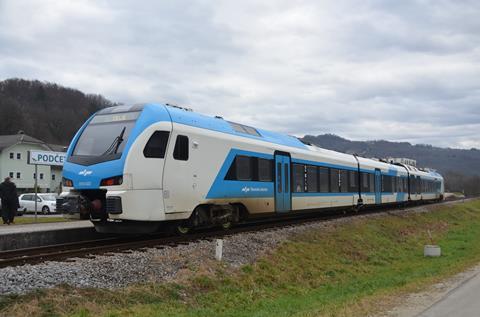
point(113, 148)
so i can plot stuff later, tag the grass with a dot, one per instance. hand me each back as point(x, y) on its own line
point(351, 269)
point(40, 219)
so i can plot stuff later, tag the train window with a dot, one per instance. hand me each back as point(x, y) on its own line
point(279, 177)
point(364, 178)
point(237, 127)
point(180, 152)
point(343, 181)
point(243, 166)
point(298, 178)
point(418, 185)
point(287, 176)
point(371, 183)
point(334, 180)
point(353, 181)
point(265, 170)
point(324, 179)
point(156, 145)
point(312, 179)
point(386, 184)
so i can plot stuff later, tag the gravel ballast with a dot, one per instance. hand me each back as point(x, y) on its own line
point(154, 265)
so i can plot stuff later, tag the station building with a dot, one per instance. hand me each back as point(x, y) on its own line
point(13, 163)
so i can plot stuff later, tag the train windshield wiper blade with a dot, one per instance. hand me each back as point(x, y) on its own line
point(113, 148)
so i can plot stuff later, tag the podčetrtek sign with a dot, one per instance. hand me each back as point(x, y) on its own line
point(46, 158)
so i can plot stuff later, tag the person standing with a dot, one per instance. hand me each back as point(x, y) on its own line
point(10, 204)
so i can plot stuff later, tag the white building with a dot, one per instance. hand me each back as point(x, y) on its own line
point(13, 163)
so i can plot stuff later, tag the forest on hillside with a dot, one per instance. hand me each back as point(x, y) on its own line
point(460, 167)
point(53, 113)
point(43, 110)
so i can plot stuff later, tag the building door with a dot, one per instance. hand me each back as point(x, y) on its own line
point(378, 187)
point(283, 201)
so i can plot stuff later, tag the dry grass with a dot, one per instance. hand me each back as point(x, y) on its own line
point(358, 268)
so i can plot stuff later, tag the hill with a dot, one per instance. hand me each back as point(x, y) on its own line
point(442, 159)
point(461, 168)
point(47, 111)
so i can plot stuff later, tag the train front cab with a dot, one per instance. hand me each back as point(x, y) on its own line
point(114, 168)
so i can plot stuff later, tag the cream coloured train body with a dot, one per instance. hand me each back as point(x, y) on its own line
point(137, 168)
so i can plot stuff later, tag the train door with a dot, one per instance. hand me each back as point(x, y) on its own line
point(282, 183)
point(378, 187)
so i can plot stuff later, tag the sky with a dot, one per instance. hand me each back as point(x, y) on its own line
point(364, 70)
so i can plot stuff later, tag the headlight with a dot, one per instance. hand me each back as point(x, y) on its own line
point(112, 181)
point(67, 182)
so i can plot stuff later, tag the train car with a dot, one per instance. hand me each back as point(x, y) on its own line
point(147, 167)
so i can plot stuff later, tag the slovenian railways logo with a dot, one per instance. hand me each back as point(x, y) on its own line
point(247, 189)
point(85, 172)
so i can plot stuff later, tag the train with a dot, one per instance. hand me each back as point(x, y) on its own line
point(147, 167)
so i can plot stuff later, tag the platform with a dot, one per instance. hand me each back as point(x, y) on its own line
point(32, 235)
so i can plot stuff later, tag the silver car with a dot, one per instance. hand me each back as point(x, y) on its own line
point(46, 203)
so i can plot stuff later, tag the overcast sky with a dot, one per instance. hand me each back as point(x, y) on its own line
point(395, 70)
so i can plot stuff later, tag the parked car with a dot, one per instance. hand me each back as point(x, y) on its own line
point(46, 203)
point(20, 210)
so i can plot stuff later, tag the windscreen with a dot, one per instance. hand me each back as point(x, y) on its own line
point(49, 197)
point(106, 135)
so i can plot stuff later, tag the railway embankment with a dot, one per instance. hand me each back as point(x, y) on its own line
point(344, 267)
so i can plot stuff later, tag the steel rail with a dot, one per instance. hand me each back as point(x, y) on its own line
point(124, 243)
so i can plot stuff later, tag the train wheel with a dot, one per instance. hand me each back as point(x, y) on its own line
point(181, 229)
point(227, 225)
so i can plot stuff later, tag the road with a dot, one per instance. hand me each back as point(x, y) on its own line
point(462, 301)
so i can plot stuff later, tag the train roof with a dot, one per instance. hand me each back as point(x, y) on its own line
point(188, 117)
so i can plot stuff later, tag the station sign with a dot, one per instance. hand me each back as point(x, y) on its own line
point(46, 158)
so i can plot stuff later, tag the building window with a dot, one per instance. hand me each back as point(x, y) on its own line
point(19, 156)
point(10, 174)
point(53, 177)
point(180, 152)
point(11, 155)
point(156, 145)
point(19, 175)
point(41, 175)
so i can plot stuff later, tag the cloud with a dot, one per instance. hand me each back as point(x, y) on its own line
point(404, 70)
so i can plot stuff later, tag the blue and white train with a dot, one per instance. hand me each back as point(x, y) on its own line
point(140, 168)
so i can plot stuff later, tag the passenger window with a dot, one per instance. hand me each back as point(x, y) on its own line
point(298, 178)
point(353, 181)
point(243, 167)
point(180, 151)
point(334, 180)
point(265, 170)
point(371, 183)
point(156, 145)
point(279, 177)
point(312, 179)
point(343, 181)
point(324, 179)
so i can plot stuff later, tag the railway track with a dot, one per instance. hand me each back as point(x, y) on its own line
point(124, 243)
